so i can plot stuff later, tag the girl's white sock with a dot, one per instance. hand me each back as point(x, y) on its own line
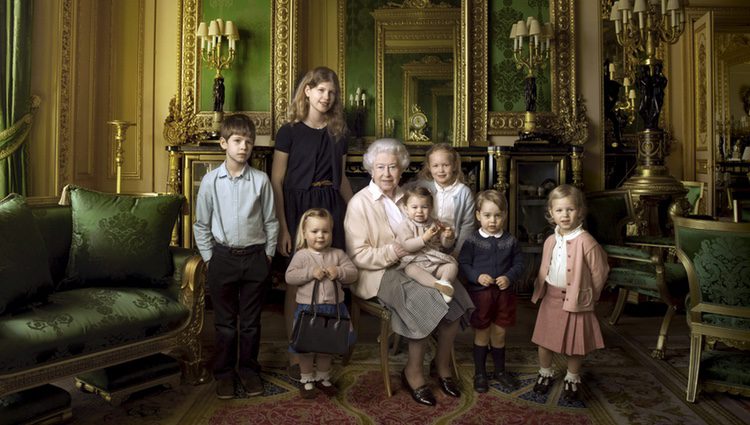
point(324, 377)
point(547, 372)
point(573, 377)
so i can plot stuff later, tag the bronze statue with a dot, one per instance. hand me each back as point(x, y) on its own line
point(652, 85)
point(530, 92)
point(219, 94)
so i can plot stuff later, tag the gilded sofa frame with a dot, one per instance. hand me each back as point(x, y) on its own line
point(183, 342)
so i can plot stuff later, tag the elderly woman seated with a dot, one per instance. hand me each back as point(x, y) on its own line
point(416, 311)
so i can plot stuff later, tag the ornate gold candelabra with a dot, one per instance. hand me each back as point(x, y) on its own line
point(211, 37)
point(356, 111)
point(640, 28)
point(531, 41)
point(121, 127)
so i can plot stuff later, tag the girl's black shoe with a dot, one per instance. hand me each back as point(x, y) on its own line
point(543, 384)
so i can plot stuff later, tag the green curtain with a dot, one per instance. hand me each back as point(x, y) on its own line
point(15, 94)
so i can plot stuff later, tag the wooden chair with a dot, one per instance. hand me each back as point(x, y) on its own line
point(694, 195)
point(716, 256)
point(636, 265)
point(375, 308)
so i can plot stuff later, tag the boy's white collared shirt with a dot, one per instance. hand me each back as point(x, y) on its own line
point(486, 235)
point(557, 268)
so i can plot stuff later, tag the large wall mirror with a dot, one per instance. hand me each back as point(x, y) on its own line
point(415, 51)
point(732, 104)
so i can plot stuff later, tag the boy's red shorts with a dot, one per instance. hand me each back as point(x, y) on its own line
point(493, 306)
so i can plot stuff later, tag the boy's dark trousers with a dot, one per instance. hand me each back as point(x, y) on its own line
point(237, 284)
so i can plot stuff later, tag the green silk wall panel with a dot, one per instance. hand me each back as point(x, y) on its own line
point(506, 85)
point(248, 82)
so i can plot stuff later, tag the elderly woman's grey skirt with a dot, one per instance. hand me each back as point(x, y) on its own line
point(416, 310)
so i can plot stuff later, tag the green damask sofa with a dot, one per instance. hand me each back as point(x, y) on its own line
point(93, 284)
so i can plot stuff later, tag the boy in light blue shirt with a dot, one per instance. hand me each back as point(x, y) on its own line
point(236, 231)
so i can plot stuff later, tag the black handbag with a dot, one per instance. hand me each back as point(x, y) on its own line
point(315, 332)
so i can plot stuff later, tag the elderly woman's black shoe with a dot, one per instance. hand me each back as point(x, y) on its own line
point(449, 386)
point(422, 395)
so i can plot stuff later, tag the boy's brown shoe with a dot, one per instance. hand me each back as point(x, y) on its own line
point(253, 384)
point(225, 388)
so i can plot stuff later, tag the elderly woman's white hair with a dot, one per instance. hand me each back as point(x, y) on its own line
point(390, 146)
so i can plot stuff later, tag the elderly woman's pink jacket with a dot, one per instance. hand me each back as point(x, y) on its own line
point(369, 241)
point(586, 273)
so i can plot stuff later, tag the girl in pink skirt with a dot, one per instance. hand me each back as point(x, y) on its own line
point(572, 274)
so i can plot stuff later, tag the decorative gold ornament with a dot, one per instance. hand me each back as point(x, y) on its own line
point(181, 125)
point(417, 125)
point(571, 128)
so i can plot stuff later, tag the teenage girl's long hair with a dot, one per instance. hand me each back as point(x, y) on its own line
point(299, 107)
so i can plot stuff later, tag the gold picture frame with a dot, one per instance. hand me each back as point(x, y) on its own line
point(284, 65)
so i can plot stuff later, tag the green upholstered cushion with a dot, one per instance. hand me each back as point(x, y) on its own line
point(24, 272)
point(692, 196)
point(55, 225)
point(641, 278)
point(87, 320)
point(726, 321)
point(120, 238)
point(29, 405)
point(722, 265)
point(731, 367)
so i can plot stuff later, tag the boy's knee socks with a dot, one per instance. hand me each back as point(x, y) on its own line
point(498, 357)
point(480, 358)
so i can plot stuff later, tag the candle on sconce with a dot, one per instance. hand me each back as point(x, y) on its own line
point(363, 98)
point(631, 94)
point(351, 100)
point(626, 82)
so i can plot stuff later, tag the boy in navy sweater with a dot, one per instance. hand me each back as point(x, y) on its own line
point(491, 261)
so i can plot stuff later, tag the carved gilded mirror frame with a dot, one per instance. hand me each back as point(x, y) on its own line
point(427, 30)
point(562, 74)
point(284, 65)
point(732, 48)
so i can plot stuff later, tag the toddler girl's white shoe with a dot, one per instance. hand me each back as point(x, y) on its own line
point(445, 288)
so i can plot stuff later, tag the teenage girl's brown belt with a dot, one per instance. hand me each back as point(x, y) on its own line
point(322, 183)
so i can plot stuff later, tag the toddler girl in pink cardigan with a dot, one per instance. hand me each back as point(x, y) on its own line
point(572, 274)
point(313, 260)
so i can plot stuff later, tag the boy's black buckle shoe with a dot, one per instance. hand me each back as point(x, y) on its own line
point(543, 384)
point(481, 385)
point(505, 380)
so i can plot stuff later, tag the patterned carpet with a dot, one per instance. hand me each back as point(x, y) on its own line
point(622, 385)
